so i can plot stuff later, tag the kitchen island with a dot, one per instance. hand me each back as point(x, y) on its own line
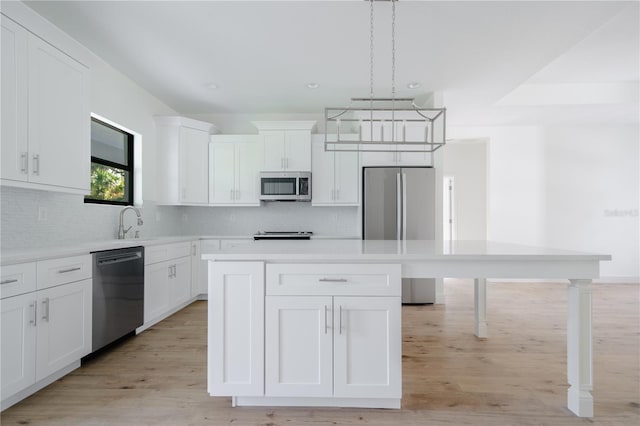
point(318, 322)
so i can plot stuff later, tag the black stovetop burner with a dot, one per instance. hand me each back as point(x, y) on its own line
point(300, 235)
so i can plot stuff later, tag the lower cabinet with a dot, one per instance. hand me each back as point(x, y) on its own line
point(43, 332)
point(167, 280)
point(322, 346)
point(289, 333)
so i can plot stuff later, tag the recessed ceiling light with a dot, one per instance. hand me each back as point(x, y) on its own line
point(413, 85)
point(212, 86)
point(313, 85)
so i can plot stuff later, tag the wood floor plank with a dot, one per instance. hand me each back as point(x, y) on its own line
point(515, 377)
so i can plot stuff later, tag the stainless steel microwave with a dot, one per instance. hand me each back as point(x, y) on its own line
point(285, 186)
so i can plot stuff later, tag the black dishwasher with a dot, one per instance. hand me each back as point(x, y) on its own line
point(118, 294)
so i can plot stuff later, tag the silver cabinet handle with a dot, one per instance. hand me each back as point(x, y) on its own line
point(24, 156)
point(340, 322)
point(338, 194)
point(12, 280)
point(193, 250)
point(34, 318)
point(231, 194)
point(36, 164)
point(169, 271)
point(326, 326)
point(45, 304)
point(333, 280)
point(64, 271)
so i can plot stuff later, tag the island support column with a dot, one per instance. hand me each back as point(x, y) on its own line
point(480, 304)
point(579, 349)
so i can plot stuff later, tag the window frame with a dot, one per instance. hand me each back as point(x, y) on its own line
point(128, 168)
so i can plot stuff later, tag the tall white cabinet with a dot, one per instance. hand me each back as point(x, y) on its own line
point(45, 114)
point(235, 166)
point(183, 160)
point(336, 175)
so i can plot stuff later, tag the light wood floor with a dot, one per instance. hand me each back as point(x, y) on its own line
point(516, 377)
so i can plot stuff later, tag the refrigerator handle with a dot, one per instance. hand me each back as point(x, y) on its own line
point(399, 202)
point(404, 206)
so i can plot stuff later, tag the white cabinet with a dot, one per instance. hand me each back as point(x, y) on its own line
point(45, 107)
point(183, 159)
point(286, 150)
point(44, 331)
point(367, 347)
point(299, 346)
point(321, 346)
point(333, 330)
point(286, 145)
point(235, 165)
point(18, 349)
point(64, 326)
point(167, 280)
point(236, 329)
point(335, 176)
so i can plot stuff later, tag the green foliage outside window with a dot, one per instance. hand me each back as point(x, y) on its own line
point(107, 183)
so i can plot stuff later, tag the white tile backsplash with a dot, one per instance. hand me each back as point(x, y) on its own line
point(32, 218)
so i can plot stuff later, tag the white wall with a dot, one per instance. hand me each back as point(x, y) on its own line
point(466, 161)
point(591, 194)
point(567, 187)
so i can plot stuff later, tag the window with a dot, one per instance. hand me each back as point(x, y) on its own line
point(111, 165)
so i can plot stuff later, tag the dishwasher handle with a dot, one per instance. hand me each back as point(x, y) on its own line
point(117, 258)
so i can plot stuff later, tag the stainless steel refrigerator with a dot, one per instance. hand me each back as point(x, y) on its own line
point(399, 204)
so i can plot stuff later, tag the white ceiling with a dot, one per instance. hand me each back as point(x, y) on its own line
point(262, 54)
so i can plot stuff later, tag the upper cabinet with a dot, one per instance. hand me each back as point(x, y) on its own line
point(286, 145)
point(235, 165)
point(183, 160)
point(335, 175)
point(45, 115)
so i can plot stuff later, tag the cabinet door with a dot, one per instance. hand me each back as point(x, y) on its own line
point(414, 134)
point(181, 281)
point(346, 177)
point(15, 155)
point(222, 173)
point(367, 347)
point(195, 268)
point(59, 118)
point(298, 150)
point(18, 344)
point(236, 329)
point(194, 166)
point(323, 189)
point(157, 291)
point(273, 153)
point(298, 351)
point(64, 326)
point(247, 170)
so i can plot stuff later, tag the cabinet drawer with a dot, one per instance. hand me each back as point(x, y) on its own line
point(17, 279)
point(162, 253)
point(334, 279)
point(65, 270)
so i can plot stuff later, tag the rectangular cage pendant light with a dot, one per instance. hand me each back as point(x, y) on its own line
point(384, 125)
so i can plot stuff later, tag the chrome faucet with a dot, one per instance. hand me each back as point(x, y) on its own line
point(121, 231)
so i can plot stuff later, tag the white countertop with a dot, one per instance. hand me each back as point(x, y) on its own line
point(13, 256)
point(390, 250)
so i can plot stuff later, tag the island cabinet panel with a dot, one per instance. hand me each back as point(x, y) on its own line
point(236, 329)
point(367, 347)
point(334, 279)
point(333, 330)
point(298, 346)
